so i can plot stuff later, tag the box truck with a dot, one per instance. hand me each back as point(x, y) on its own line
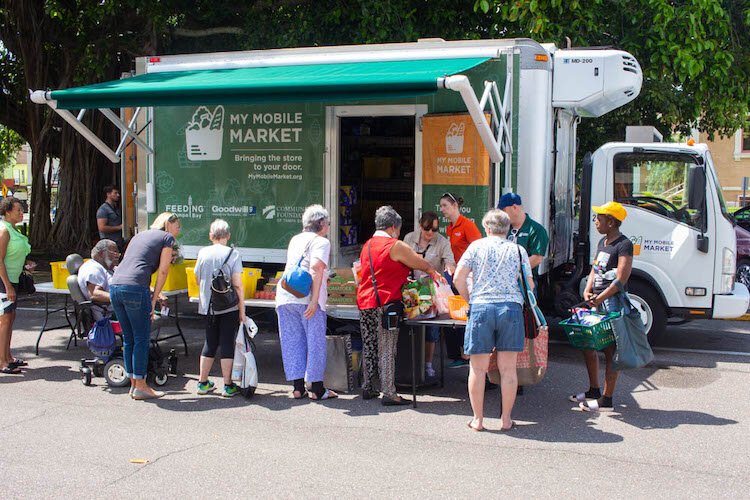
point(254, 137)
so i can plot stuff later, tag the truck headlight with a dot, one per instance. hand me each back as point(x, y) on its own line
point(728, 271)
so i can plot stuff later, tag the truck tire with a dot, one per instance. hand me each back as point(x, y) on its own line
point(653, 312)
point(743, 272)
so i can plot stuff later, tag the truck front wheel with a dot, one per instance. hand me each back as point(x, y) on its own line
point(649, 304)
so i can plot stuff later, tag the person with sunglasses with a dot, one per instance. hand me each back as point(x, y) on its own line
point(435, 249)
point(461, 233)
point(133, 301)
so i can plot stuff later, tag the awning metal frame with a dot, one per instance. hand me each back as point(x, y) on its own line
point(128, 130)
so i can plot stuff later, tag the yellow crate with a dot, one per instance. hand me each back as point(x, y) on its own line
point(189, 263)
point(59, 274)
point(192, 286)
point(176, 279)
point(279, 275)
point(250, 277)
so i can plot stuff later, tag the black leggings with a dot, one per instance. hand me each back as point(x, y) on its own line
point(221, 329)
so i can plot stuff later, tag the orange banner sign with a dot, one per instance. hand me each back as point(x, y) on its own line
point(453, 152)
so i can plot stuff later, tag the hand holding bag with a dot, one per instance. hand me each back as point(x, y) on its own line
point(633, 349)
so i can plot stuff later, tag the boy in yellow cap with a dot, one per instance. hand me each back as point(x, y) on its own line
point(614, 252)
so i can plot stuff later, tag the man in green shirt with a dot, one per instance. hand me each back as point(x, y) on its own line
point(526, 232)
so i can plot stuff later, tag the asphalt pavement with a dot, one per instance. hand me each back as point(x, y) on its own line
point(680, 429)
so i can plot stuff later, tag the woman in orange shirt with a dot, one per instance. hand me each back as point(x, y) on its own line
point(461, 232)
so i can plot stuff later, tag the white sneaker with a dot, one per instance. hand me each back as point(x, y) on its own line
point(429, 372)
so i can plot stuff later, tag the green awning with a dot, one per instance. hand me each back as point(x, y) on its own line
point(334, 82)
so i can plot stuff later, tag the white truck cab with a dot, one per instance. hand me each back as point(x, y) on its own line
point(684, 248)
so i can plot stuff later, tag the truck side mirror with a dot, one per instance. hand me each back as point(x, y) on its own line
point(696, 188)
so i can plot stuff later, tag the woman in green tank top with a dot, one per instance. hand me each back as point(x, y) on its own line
point(14, 247)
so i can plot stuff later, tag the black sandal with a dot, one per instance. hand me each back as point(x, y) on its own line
point(302, 394)
point(18, 363)
point(10, 370)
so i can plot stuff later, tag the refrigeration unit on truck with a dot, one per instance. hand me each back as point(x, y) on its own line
point(254, 137)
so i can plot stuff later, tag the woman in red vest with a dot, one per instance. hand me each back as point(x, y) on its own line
point(386, 263)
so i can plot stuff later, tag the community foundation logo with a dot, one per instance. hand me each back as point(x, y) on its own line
point(454, 139)
point(189, 211)
point(204, 135)
point(269, 212)
point(237, 211)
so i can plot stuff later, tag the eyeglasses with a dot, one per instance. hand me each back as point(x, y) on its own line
point(512, 234)
point(430, 229)
point(448, 195)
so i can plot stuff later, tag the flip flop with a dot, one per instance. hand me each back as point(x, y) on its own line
point(512, 426)
point(329, 394)
point(301, 396)
point(9, 370)
point(475, 429)
point(18, 363)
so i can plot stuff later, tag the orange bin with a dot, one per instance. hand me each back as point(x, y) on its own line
point(458, 308)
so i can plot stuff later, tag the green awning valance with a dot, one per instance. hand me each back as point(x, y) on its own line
point(335, 82)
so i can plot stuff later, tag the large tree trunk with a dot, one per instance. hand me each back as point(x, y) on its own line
point(83, 173)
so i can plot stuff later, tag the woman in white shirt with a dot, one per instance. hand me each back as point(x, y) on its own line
point(302, 320)
point(435, 249)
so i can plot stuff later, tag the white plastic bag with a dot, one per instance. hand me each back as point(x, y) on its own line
point(244, 368)
point(238, 365)
point(441, 298)
point(250, 374)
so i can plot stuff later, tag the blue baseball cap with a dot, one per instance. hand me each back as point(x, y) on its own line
point(508, 200)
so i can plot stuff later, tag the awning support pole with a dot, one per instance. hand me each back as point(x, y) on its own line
point(122, 145)
point(125, 129)
point(87, 134)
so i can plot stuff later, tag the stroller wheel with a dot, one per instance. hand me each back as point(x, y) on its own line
point(86, 375)
point(114, 373)
point(161, 378)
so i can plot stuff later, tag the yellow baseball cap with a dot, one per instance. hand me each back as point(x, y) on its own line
point(612, 208)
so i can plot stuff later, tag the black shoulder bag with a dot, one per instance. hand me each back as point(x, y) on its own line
point(393, 312)
point(223, 294)
point(529, 323)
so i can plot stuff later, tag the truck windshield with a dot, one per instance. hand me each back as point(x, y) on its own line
point(719, 191)
point(657, 182)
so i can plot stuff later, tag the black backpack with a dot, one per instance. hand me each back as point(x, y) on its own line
point(223, 294)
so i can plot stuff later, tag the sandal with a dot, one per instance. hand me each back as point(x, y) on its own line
point(302, 394)
point(475, 429)
point(512, 426)
point(11, 370)
point(328, 394)
point(595, 405)
point(583, 396)
point(18, 363)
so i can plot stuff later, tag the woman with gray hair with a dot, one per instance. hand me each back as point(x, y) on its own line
point(386, 264)
point(302, 320)
point(221, 325)
point(496, 312)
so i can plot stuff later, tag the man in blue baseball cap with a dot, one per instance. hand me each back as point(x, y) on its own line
point(526, 232)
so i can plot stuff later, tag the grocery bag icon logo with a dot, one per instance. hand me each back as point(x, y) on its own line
point(204, 135)
point(637, 242)
point(454, 138)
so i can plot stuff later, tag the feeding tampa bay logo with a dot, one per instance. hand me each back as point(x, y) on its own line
point(204, 134)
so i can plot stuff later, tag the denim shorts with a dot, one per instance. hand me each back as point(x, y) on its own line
point(494, 325)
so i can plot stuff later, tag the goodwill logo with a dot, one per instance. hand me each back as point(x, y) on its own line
point(238, 211)
point(188, 211)
point(204, 135)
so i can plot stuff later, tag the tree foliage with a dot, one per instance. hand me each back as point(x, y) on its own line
point(10, 145)
point(695, 56)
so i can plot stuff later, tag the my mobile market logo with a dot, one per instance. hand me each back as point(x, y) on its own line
point(189, 211)
point(237, 211)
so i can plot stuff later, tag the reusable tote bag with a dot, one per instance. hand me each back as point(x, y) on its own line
point(633, 349)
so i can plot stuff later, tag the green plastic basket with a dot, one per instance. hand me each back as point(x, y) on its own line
point(595, 337)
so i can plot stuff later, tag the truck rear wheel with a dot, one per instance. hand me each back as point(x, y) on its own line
point(653, 313)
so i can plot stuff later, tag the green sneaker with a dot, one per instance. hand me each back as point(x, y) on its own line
point(205, 387)
point(230, 390)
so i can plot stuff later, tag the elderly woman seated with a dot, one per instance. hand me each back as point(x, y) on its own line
point(94, 276)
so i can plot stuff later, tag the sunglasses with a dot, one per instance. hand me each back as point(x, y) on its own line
point(448, 195)
point(430, 229)
point(172, 218)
